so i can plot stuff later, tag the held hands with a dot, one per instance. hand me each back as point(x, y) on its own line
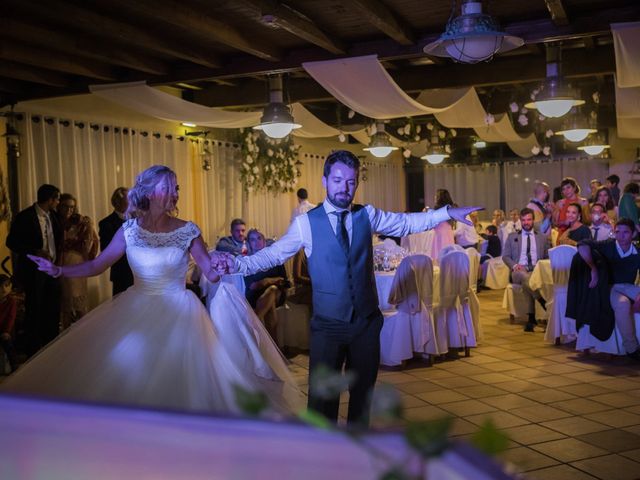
point(46, 266)
point(460, 213)
point(222, 262)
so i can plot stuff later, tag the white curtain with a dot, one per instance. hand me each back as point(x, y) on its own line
point(91, 160)
point(467, 185)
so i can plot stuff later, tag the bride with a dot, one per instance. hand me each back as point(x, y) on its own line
point(155, 345)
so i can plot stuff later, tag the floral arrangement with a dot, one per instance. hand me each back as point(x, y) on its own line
point(268, 165)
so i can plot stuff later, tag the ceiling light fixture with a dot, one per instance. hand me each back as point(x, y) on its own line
point(276, 121)
point(436, 153)
point(472, 37)
point(556, 99)
point(380, 144)
point(594, 146)
point(576, 129)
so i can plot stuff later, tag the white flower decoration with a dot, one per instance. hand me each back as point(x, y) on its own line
point(270, 152)
point(442, 134)
point(523, 120)
point(351, 114)
point(429, 126)
point(447, 148)
point(596, 97)
point(489, 119)
point(524, 110)
point(546, 150)
point(406, 153)
point(342, 137)
point(549, 133)
point(453, 132)
point(418, 128)
point(535, 149)
point(407, 129)
point(400, 131)
point(417, 138)
point(513, 106)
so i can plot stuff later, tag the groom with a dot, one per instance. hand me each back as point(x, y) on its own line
point(337, 239)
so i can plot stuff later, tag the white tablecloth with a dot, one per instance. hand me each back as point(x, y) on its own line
point(542, 277)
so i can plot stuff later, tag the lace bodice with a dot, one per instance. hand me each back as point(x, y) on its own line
point(159, 261)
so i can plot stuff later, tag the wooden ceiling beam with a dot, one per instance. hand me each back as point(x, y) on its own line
point(199, 23)
point(558, 12)
point(378, 15)
point(502, 71)
point(39, 57)
point(27, 73)
point(80, 45)
point(279, 15)
point(79, 18)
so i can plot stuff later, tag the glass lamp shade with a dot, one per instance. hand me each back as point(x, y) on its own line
point(553, 108)
point(472, 37)
point(576, 134)
point(593, 149)
point(435, 158)
point(555, 100)
point(380, 145)
point(277, 121)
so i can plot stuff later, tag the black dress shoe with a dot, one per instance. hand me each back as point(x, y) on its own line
point(529, 327)
point(635, 355)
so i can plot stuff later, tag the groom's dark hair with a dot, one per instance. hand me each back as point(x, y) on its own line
point(342, 156)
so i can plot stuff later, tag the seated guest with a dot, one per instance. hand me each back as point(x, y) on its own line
point(521, 253)
point(235, 243)
point(576, 230)
point(627, 207)
point(265, 290)
point(466, 235)
point(570, 194)
point(8, 310)
point(494, 246)
point(623, 263)
point(599, 229)
point(604, 198)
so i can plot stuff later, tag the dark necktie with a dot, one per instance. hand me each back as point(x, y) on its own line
point(529, 263)
point(341, 231)
point(595, 232)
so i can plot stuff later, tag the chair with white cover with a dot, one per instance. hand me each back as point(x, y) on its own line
point(411, 328)
point(418, 243)
point(474, 271)
point(560, 327)
point(518, 304)
point(495, 273)
point(454, 322)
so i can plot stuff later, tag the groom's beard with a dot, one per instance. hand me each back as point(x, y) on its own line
point(341, 199)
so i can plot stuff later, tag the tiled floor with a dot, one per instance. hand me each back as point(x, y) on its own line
point(568, 416)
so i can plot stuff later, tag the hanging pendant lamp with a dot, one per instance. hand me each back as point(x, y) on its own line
point(276, 121)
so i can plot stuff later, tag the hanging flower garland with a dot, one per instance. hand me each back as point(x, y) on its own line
point(268, 165)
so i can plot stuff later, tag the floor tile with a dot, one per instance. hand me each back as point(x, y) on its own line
point(531, 434)
point(574, 426)
point(467, 407)
point(525, 459)
point(610, 467)
point(580, 406)
point(547, 395)
point(539, 414)
point(509, 401)
point(615, 418)
point(499, 419)
point(569, 450)
point(437, 397)
point(559, 472)
point(614, 440)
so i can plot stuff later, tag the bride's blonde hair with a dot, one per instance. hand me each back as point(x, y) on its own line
point(145, 184)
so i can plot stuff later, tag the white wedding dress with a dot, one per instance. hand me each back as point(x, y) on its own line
point(155, 345)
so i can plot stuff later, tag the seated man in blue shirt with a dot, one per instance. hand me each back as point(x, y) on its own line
point(623, 263)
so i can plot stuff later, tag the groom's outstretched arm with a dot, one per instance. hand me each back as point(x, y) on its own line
point(402, 224)
point(275, 254)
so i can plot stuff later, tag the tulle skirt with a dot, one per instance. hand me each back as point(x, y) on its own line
point(162, 351)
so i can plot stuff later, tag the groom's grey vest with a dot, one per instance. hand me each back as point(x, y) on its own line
point(342, 285)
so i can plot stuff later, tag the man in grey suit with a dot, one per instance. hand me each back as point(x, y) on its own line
point(522, 250)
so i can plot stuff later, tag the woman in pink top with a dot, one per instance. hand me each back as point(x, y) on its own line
point(570, 191)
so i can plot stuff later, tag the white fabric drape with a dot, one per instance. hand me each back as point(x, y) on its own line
point(626, 37)
point(356, 81)
point(477, 186)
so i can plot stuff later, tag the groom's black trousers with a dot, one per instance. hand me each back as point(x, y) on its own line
point(354, 345)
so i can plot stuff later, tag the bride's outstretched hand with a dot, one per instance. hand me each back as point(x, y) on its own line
point(46, 266)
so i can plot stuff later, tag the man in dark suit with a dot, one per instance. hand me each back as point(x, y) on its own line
point(336, 237)
point(522, 250)
point(37, 231)
point(121, 276)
